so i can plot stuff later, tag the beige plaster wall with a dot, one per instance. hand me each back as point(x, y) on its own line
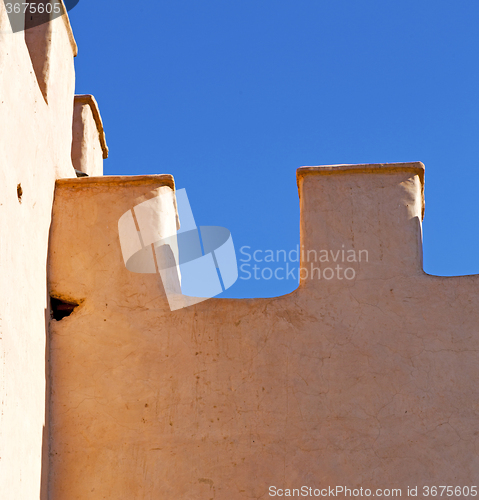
point(35, 146)
point(368, 382)
point(89, 145)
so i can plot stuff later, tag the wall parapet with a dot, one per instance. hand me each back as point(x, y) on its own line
point(91, 101)
point(367, 168)
point(71, 37)
point(117, 180)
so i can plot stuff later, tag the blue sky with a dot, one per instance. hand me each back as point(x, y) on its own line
point(232, 96)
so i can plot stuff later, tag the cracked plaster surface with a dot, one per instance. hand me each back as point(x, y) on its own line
point(370, 382)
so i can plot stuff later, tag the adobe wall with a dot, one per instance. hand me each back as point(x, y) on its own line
point(89, 147)
point(367, 382)
point(35, 150)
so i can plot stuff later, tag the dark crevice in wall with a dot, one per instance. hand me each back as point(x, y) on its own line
point(61, 308)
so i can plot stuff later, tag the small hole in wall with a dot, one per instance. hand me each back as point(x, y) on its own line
point(61, 308)
point(19, 192)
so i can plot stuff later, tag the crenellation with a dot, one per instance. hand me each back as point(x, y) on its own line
point(365, 375)
point(89, 147)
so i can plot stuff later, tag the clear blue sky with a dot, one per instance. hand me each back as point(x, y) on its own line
point(232, 96)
